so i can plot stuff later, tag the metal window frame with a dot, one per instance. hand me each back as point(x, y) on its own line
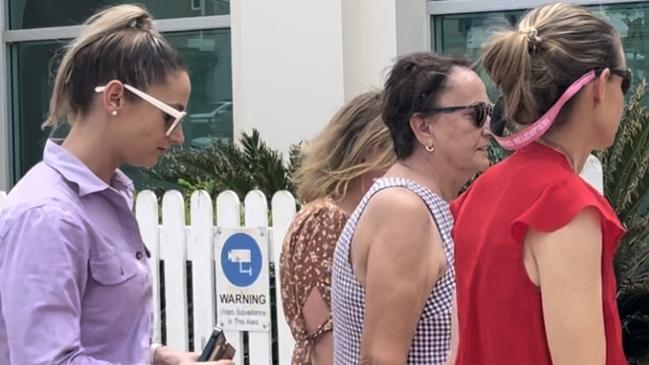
point(6, 140)
point(9, 37)
point(444, 7)
point(200, 6)
point(436, 8)
point(163, 25)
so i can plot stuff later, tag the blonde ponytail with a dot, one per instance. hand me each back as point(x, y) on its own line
point(552, 47)
point(508, 62)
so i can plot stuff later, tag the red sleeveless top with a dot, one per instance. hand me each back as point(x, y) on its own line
point(499, 308)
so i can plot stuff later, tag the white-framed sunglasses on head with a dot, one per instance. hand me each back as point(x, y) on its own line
point(176, 114)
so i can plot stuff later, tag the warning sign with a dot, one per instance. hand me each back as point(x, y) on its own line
point(242, 282)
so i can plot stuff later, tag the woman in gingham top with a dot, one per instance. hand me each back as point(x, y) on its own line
point(393, 282)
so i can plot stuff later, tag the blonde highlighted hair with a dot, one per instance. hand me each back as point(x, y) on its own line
point(354, 143)
point(552, 47)
point(118, 43)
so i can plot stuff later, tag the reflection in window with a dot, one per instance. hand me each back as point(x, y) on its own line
point(31, 92)
point(631, 22)
point(464, 34)
point(206, 54)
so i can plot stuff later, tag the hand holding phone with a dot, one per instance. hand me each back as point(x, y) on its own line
point(217, 348)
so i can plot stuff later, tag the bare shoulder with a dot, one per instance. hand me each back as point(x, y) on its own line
point(397, 230)
point(397, 204)
point(585, 225)
point(399, 212)
point(555, 252)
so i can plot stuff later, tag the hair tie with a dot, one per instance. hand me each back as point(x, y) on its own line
point(533, 39)
point(140, 22)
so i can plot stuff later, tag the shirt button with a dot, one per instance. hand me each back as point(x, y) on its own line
point(138, 255)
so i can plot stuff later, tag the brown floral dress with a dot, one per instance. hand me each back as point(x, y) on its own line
point(305, 263)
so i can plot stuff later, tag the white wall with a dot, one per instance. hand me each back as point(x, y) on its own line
point(287, 65)
point(375, 32)
point(413, 26)
point(369, 43)
point(295, 62)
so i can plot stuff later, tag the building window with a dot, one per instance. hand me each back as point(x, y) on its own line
point(464, 33)
point(25, 14)
point(197, 5)
point(206, 53)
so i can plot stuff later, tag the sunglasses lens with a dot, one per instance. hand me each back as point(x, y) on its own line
point(172, 123)
point(482, 111)
point(626, 83)
point(169, 120)
point(498, 118)
point(479, 114)
point(171, 127)
point(626, 77)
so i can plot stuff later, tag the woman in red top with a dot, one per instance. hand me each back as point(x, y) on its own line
point(534, 242)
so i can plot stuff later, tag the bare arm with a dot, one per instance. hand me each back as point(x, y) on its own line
point(316, 312)
point(568, 262)
point(404, 261)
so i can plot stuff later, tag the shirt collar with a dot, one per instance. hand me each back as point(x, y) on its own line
point(75, 171)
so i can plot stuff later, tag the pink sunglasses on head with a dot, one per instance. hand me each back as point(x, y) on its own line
point(531, 133)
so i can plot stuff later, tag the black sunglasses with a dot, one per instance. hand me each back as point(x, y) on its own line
point(481, 111)
point(498, 118)
point(626, 78)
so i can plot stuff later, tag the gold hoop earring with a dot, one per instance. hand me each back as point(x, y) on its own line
point(430, 148)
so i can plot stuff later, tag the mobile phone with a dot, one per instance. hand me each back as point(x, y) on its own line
point(217, 348)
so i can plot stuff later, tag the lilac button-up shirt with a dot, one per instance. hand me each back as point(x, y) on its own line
point(75, 286)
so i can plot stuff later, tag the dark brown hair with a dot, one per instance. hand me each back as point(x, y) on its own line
point(552, 47)
point(413, 85)
point(117, 43)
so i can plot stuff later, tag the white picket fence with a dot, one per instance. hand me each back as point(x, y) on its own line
point(175, 242)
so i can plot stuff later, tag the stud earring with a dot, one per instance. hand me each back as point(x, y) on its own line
point(430, 148)
point(114, 113)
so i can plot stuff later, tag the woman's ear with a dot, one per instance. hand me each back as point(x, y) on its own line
point(599, 87)
point(423, 128)
point(113, 96)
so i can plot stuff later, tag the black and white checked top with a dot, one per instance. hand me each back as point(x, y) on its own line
point(433, 334)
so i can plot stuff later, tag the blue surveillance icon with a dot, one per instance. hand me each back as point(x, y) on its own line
point(241, 259)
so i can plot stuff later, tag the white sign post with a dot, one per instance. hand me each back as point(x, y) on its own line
point(242, 281)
